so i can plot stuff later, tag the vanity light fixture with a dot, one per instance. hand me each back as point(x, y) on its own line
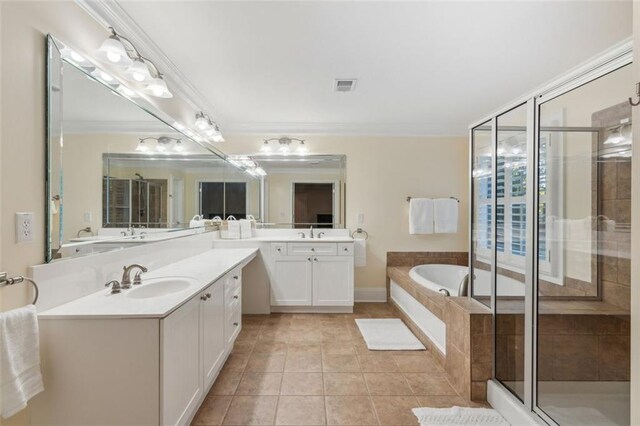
point(285, 145)
point(162, 144)
point(247, 164)
point(208, 128)
point(119, 50)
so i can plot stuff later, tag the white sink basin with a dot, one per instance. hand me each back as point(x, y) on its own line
point(158, 287)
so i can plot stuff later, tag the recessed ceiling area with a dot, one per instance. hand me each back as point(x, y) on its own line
point(422, 68)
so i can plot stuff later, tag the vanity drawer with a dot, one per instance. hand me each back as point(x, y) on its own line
point(278, 249)
point(345, 249)
point(329, 249)
point(232, 286)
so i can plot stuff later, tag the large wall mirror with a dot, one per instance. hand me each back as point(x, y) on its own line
point(303, 191)
point(119, 175)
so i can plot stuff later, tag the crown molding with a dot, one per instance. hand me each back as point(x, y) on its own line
point(351, 129)
point(109, 13)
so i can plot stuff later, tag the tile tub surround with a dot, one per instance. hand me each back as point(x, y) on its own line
point(414, 258)
point(468, 359)
point(301, 369)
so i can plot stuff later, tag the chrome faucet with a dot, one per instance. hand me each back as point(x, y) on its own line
point(302, 235)
point(126, 275)
point(320, 235)
point(311, 231)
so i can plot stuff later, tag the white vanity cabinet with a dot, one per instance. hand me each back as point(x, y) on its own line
point(146, 371)
point(312, 274)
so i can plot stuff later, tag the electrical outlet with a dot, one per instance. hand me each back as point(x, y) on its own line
point(87, 217)
point(360, 219)
point(24, 227)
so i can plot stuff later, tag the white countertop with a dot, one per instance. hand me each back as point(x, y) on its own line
point(203, 268)
point(285, 239)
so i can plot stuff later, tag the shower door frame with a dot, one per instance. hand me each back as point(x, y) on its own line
point(617, 57)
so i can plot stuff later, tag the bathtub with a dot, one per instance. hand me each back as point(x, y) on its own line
point(447, 279)
point(442, 278)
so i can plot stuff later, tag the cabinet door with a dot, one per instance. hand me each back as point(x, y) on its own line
point(332, 281)
point(292, 281)
point(213, 341)
point(181, 378)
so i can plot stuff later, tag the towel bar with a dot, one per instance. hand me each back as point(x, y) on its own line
point(5, 281)
point(453, 198)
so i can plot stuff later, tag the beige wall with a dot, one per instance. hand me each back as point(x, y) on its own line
point(635, 224)
point(381, 173)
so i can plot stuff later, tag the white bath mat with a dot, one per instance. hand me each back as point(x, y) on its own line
point(389, 334)
point(459, 416)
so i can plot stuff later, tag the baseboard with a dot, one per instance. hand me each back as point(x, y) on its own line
point(370, 294)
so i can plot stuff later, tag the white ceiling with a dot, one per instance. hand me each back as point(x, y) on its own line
point(422, 67)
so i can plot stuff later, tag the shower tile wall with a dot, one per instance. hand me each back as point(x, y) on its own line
point(614, 203)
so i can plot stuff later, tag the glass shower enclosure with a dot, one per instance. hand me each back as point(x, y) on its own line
point(550, 244)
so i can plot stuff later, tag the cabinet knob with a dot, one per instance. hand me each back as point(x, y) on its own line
point(208, 295)
point(315, 258)
point(203, 297)
point(309, 259)
point(235, 297)
point(235, 324)
point(345, 249)
point(235, 277)
point(313, 249)
point(279, 249)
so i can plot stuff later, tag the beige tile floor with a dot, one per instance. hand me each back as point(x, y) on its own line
point(315, 369)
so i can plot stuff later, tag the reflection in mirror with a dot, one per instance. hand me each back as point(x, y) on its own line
point(120, 176)
point(303, 191)
point(481, 230)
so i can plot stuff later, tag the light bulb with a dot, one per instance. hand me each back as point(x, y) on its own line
point(302, 148)
point(202, 121)
point(76, 56)
point(160, 148)
point(112, 50)
point(178, 146)
point(114, 57)
point(142, 147)
point(266, 148)
point(284, 149)
point(138, 71)
point(158, 88)
point(126, 91)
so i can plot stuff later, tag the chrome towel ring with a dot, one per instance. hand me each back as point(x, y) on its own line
point(360, 231)
point(5, 281)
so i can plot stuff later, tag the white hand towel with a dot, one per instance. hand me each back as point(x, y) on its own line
point(420, 216)
point(445, 215)
point(233, 232)
point(20, 378)
point(360, 252)
point(245, 228)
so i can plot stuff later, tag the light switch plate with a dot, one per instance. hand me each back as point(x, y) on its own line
point(24, 227)
point(87, 217)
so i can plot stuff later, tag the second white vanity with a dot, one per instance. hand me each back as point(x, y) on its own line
point(147, 355)
point(294, 274)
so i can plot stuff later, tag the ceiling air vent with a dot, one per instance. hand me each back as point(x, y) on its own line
point(344, 85)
